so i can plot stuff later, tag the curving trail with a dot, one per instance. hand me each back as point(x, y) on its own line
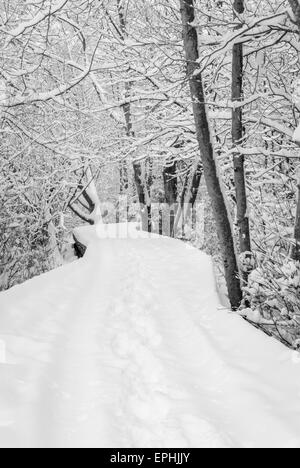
point(130, 347)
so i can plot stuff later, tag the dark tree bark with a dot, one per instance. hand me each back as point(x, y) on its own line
point(189, 196)
point(207, 153)
point(196, 184)
point(79, 248)
point(197, 177)
point(296, 250)
point(171, 193)
point(143, 196)
point(295, 5)
point(124, 180)
point(237, 138)
point(144, 201)
point(181, 215)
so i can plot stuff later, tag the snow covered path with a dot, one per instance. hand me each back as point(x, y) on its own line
point(130, 347)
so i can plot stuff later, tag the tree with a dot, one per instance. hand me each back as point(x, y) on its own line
point(45, 75)
point(296, 249)
point(237, 138)
point(171, 194)
point(296, 11)
point(142, 189)
point(204, 137)
point(188, 196)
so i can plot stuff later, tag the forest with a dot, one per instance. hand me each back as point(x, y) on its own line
point(179, 114)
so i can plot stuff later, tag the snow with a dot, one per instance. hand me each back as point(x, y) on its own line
point(129, 347)
point(48, 95)
point(296, 136)
point(41, 16)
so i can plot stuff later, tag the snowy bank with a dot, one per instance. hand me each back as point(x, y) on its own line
point(129, 347)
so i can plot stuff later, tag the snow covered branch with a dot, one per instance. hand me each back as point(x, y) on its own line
point(33, 22)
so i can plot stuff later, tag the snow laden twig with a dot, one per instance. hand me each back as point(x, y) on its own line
point(56, 92)
point(39, 18)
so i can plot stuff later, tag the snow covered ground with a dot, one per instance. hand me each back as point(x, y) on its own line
point(129, 347)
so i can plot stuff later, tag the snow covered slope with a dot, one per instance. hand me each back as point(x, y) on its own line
point(129, 347)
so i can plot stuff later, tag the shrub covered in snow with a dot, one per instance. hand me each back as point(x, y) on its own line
point(273, 295)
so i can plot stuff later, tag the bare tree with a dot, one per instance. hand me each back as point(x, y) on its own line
point(139, 176)
point(207, 153)
point(237, 138)
point(295, 5)
point(296, 250)
point(171, 193)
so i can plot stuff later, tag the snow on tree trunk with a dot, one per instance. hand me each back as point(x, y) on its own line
point(237, 138)
point(144, 200)
point(188, 197)
point(92, 193)
point(139, 176)
point(140, 180)
point(171, 193)
point(207, 154)
point(195, 190)
point(296, 249)
point(54, 253)
point(124, 181)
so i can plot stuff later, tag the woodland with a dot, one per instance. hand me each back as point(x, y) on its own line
point(179, 114)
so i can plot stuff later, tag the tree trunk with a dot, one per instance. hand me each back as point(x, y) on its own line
point(188, 198)
point(296, 248)
point(196, 184)
point(143, 199)
point(140, 182)
point(237, 138)
point(124, 181)
point(296, 252)
point(295, 5)
point(194, 192)
point(207, 154)
point(171, 193)
point(53, 251)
